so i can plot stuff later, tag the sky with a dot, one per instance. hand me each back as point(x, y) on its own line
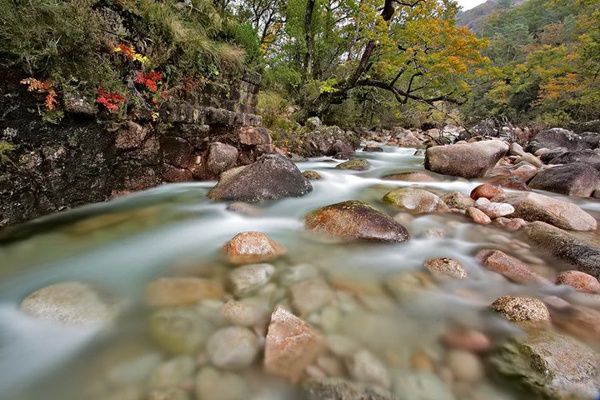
point(467, 4)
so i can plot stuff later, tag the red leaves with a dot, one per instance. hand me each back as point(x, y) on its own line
point(111, 101)
point(150, 79)
point(47, 87)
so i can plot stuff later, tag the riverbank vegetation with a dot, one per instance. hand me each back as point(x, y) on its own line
point(353, 63)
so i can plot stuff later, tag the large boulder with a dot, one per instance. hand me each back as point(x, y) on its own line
point(271, 177)
point(536, 207)
point(220, 157)
point(355, 221)
point(468, 160)
point(576, 179)
point(550, 365)
point(587, 156)
point(555, 138)
point(564, 246)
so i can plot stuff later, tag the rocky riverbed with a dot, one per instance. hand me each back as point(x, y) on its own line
point(400, 274)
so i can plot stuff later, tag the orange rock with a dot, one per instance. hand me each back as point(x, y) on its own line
point(467, 339)
point(512, 268)
point(579, 281)
point(166, 292)
point(252, 247)
point(486, 190)
point(478, 216)
point(291, 345)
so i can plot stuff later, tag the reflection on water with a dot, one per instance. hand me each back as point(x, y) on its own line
point(381, 301)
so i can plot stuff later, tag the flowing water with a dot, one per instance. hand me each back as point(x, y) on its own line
point(174, 230)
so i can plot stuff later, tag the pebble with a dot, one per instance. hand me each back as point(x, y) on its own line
point(218, 385)
point(168, 292)
point(494, 210)
point(249, 278)
point(447, 267)
point(246, 313)
point(579, 281)
point(467, 339)
point(521, 309)
point(252, 247)
point(232, 348)
point(180, 330)
point(310, 295)
point(458, 200)
point(465, 366)
point(297, 273)
point(172, 372)
point(485, 191)
point(365, 367)
point(478, 216)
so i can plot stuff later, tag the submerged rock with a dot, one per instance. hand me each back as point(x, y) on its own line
point(357, 164)
point(179, 291)
point(355, 221)
point(584, 257)
point(446, 267)
point(512, 268)
point(291, 345)
point(554, 366)
point(271, 177)
point(579, 281)
point(218, 385)
point(469, 160)
point(233, 348)
point(412, 176)
point(252, 247)
point(312, 175)
point(180, 330)
point(249, 278)
point(576, 179)
point(367, 368)
point(416, 201)
point(521, 309)
point(342, 389)
point(70, 303)
point(536, 207)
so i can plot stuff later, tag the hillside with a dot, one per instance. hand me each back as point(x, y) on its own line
point(476, 17)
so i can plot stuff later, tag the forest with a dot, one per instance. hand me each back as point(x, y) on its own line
point(350, 62)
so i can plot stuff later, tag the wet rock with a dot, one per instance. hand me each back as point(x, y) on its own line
point(245, 313)
point(469, 160)
point(310, 295)
point(340, 149)
point(271, 177)
point(416, 201)
point(573, 180)
point(242, 208)
point(312, 175)
point(494, 210)
point(341, 389)
point(584, 257)
point(217, 385)
point(249, 278)
point(421, 361)
point(180, 330)
point(551, 365)
point(422, 386)
point(366, 368)
point(172, 372)
point(355, 221)
point(168, 394)
point(405, 284)
point(297, 273)
point(233, 348)
point(510, 224)
point(509, 182)
point(252, 247)
point(72, 304)
point(467, 339)
point(220, 157)
point(357, 164)
point(511, 267)
point(478, 216)
point(291, 345)
point(579, 281)
point(458, 200)
point(447, 267)
point(165, 292)
point(521, 309)
point(486, 190)
point(536, 207)
point(412, 176)
point(582, 322)
point(372, 148)
point(465, 366)
point(525, 172)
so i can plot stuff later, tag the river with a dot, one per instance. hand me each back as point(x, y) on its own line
point(174, 230)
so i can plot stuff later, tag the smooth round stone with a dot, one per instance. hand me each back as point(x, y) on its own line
point(180, 330)
point(458, 200)
point(232, 348)
point(310, 295)
point(415, 201)
point(252, 247)
point(467, 339)
point(70, 303)
point(367, 368)
point(465, 366)
point(312, 175)
point(494, 210)
point(249, 278)
point(579, 281)
point(408, 283)
point(217, 385)
point(179, 291)
point(486, 191)
point(297, 273)
point(246, 313)
point(357, 164)
point(478, 216)
point(172, 372)
point(447, 267)
point(521, 309)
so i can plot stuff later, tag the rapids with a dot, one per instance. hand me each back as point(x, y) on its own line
point(123, 244)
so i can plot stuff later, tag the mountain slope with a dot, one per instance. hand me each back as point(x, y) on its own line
point(475, 18)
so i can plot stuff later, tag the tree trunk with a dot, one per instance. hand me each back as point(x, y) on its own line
point(309, 56)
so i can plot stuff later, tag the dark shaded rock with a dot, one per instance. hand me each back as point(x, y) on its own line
point(341, 389)
point(177, 152)
point(357, 164)
point(554, 366)
point(469, 160)
point(576, 179)
point(252, 136)
point(174, 174)
point(219, 158)
point(584, 257)
point(130, 137)
point(536, 207)
point(340, 149)
point(76, 103)
point(271, 177)
point(580, 156)
point(355, 221)
point(555, 138)
point(550, 155)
